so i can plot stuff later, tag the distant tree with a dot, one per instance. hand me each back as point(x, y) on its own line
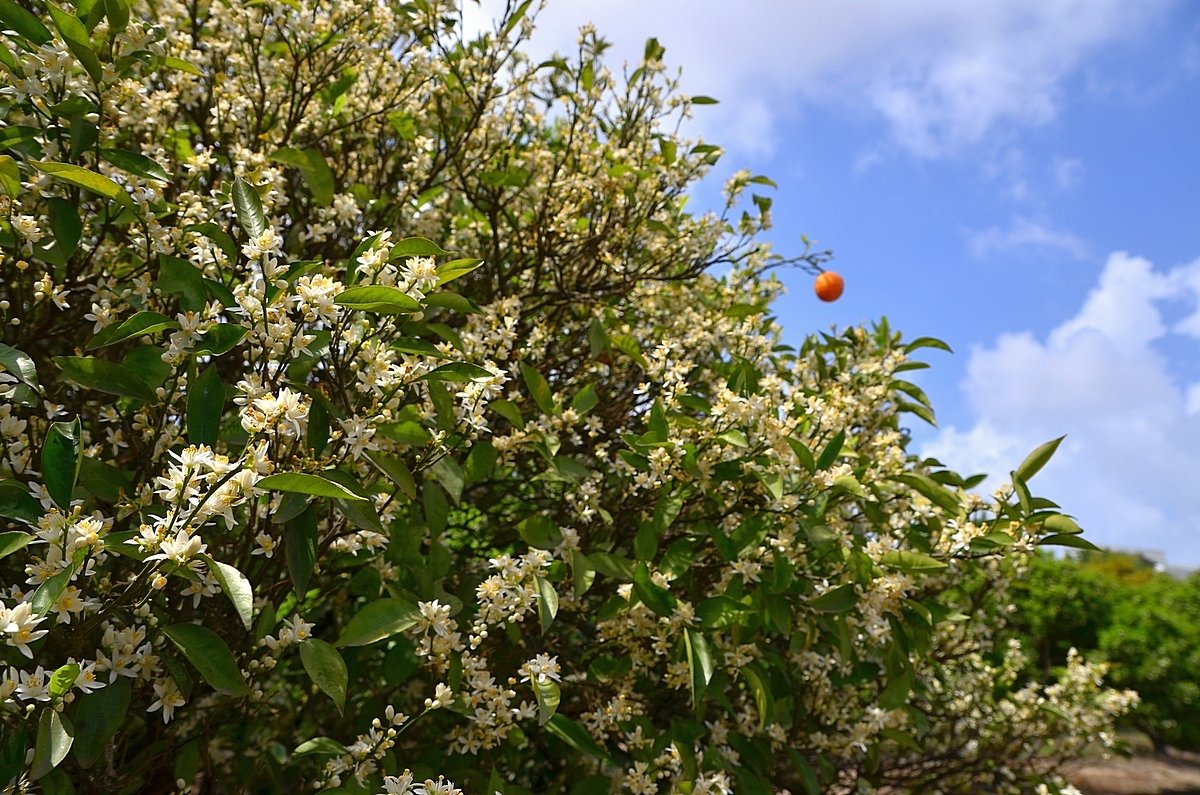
point(1115, 608)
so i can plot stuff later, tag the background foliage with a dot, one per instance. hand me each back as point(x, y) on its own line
point(1116, 608)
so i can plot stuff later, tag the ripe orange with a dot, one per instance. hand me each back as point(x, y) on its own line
point(829, 286)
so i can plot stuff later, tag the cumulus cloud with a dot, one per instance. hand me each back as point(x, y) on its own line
point(1026, 233)
point(942, 74)
point(1129, 465)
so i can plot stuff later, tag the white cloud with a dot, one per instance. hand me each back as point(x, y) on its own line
point(942, 74)
point(1067, 172)
point(1026, 233)
point(1129, 466)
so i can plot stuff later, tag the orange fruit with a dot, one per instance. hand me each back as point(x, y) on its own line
point(829, 286)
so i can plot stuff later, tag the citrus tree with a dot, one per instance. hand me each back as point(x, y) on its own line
point(377, 417)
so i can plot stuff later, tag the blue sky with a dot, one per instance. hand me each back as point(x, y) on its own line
point(1019, 178)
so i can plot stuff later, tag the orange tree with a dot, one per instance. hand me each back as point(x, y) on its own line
point(375, 419)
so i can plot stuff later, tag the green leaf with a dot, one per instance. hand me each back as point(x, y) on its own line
point(377, 298)
point(10, 178)
point(700, 99)
point(927, 342)
point(397, 471)
point(61, 453)
point(759, 686)
point(548, 696)
point(19, 364)
point(1037, 459)
point(1057, 523)
point(547, 602)
point(117, 12)
point(417, 247)
point(360, 512)
point(838, 600)
point(509, 411)
point(73, 105)
point(449, 271)
point(320, 746)
point(312, 485)
point(76, 37)
point(205, 406)
point(105, 376)
point(83, 178)
point(718, 612)
point(326, 669)
point(734, 437)
point(417, 347)
point(437, 510)
point(220, 339)
point(1067, 540)
point(181, 65)
point(104, 481)
point(773, 483)
point(17, 503)
point(26, 24)
point(830, 453)
point(583, 574)
point(539, 389)
point(575, 736)
point(515, 18)
point(315, 170)
point(930, 489)
point(655, 597)
point(645, 541)
point(236, 586)
point(911, 562)
point(99, 715)
point(585, 400)
point(138, 165)
point(738, 311)
point(300, 548)
point(146, 361)
point(249, 209)
point(52, 587)
point(459, 372)
point(378, 620)
point(848, 484)
point(316, 435)
point(140, 324)
point(900, 679)
point(182, 278)
point(448, 473)
point(205, 650)
point(539, 531)
point(450, 300)
point(65, 224)
point(63, 679)
point(612, 566)
point(481, 462)
point(700, 663)
point(54, 738)
point(10, 174)
point(13, 541)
